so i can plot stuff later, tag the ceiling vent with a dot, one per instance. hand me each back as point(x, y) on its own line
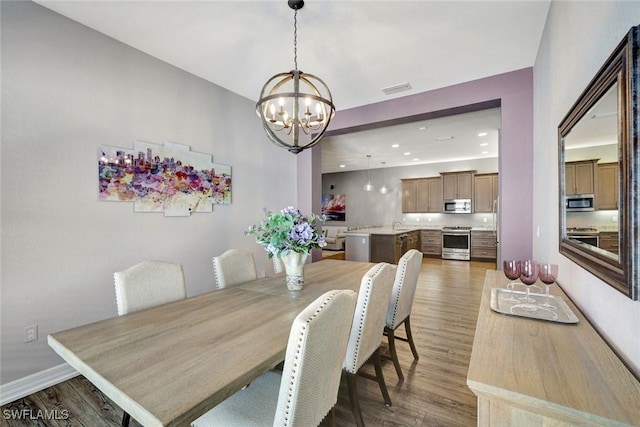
point(390, 90)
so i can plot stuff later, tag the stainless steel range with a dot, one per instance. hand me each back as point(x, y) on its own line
point(456, 243)
point(590, 236)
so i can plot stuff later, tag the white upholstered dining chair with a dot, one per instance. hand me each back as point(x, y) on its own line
point(366, 329)
point(399, 312)
point(147, 284)
point(307, 388)
point(233, 267)
point(278, 266)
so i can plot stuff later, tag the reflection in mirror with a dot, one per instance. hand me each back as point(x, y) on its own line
point(591, 175)
point(598, 170)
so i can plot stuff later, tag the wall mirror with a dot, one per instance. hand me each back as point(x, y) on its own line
point(599, 172)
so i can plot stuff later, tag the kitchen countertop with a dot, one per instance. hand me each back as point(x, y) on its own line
point(400, 230)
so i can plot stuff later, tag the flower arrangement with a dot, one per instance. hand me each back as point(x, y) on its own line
point(288, 231)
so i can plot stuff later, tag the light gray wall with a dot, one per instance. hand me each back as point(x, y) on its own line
point(366, 208)
point(66, 90)
point(578, 38)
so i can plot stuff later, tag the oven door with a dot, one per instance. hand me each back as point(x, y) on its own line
point(588, 239)
point(455, 241)
point(456, 246)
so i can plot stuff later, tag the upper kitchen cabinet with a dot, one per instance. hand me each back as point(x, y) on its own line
point(422, 195)
point(485, 192)
point(457, 185)
point(606, 195)
point(579, 177)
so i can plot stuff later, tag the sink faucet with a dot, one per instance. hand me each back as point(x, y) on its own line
point(394, 223)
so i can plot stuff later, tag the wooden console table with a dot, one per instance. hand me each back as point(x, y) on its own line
point(538, 373)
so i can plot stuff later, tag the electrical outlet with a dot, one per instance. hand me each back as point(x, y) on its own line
point(31, 333)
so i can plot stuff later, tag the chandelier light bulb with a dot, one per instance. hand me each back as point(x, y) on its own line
point(368, 186)
point(383, 189)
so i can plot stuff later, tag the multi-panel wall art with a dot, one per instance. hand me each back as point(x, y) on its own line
point(167, 178)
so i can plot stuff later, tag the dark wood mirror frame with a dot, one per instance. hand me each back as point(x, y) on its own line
point(623, 67)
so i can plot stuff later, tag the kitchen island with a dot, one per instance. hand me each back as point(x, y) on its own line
point(539, 373)
point(388, 244)
point(384, 244)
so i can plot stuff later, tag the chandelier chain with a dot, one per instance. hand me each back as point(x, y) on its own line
point(295, 38)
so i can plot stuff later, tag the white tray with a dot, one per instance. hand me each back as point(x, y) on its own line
point(501, 303)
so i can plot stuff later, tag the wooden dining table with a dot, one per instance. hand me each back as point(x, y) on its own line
point(168, 365)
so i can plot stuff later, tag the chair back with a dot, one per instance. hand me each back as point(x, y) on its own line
point(313, 362)
point(233, 267)
point(148, 284)
point(404, 288)
point(370, 315)
point(278, 266)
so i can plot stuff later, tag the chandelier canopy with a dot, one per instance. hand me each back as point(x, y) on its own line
point(295, 101)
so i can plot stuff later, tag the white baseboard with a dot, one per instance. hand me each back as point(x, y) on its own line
point(35, 382)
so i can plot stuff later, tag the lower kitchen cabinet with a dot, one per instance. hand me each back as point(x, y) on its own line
point(390, 247)
point(483, 245)
point(431, 243)
point(608, 240)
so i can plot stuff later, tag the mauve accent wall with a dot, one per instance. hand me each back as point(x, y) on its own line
point(514, 93)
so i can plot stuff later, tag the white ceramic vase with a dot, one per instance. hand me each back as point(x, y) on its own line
point(294, 269)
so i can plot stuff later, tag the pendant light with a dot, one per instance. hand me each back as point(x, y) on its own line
point(368, 186)
point(383, 189)
point(295, 101)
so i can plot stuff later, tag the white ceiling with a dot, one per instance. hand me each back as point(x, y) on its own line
point(357, 47)
point(439, 140)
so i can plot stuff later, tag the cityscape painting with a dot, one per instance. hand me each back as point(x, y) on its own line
point(167, 178)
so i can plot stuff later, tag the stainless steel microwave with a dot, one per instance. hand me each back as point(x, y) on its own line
point(579, 203)
point(457, 206)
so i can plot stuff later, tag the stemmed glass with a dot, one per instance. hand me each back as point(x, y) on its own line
point(548, 276)
point(511, 269)
point(529, 271)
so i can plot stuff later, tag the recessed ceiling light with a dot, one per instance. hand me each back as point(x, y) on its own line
point(485, 152)
point(444, 138)
point(416, 159)
point(408, 153)
point(421, 128)
point(484, 144)
point(482, 134)
point(395, 146)
point(343, 166)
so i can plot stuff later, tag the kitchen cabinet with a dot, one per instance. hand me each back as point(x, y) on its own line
point(579, 177)
point(413, 240)
point(606, 194)
point(431, 242)
point(485, 192)
point(390, 247)
point(457, 185)
point(608, 240)
point(422, 195)
point(483, 244)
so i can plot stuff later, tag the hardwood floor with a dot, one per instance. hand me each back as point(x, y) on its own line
point(434, 392)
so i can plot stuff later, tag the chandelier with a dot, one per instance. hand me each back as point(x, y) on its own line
point(295, 102)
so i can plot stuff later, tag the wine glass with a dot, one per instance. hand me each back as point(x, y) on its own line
point(529, 271)
point(548, 276)
point(511, 269)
